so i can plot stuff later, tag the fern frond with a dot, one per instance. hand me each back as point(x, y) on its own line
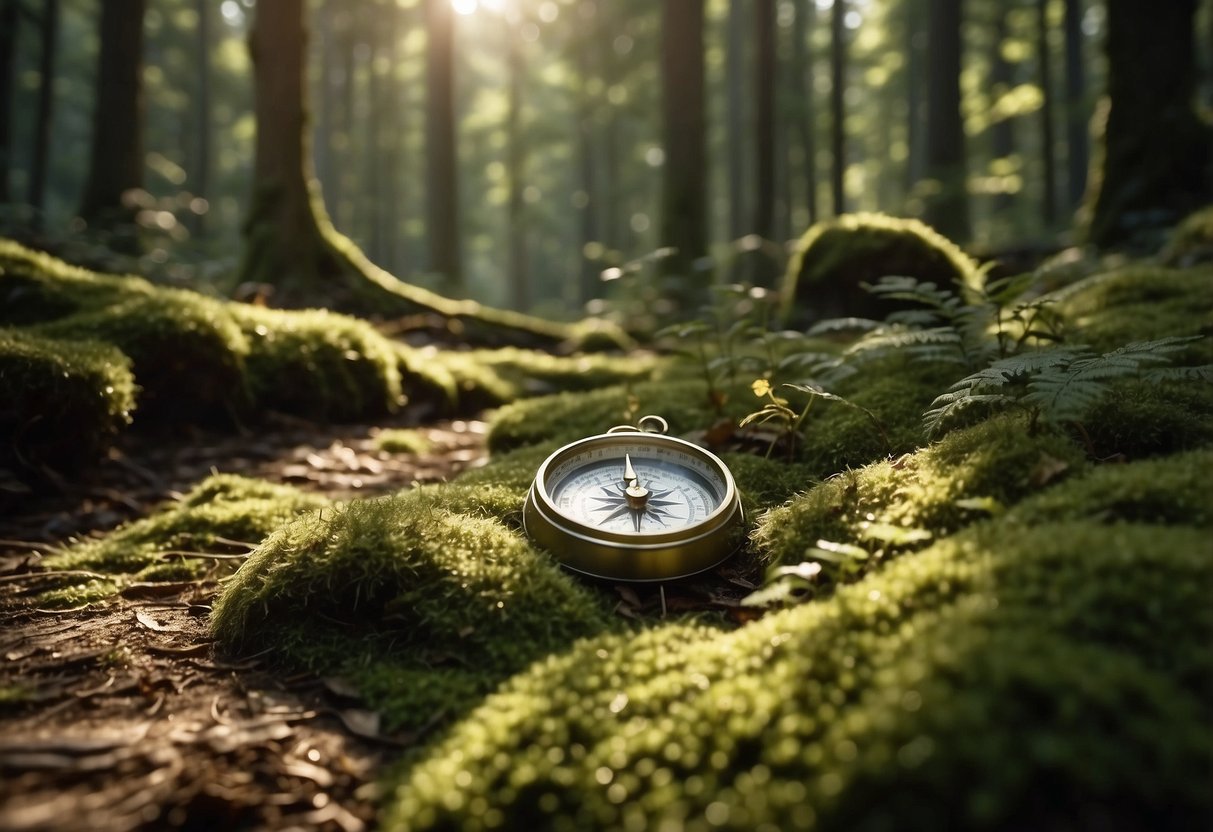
point(1159, 375)
point(950, 404)
point(901, 287)
point(836, 325)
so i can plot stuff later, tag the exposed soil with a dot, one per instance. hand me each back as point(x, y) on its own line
point(127, 718)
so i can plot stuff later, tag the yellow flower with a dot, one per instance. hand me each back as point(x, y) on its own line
point(761, 387)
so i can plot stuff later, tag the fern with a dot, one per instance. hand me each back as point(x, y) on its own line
point(1060, 384)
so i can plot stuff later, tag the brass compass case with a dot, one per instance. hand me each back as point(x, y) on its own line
point(633, 504)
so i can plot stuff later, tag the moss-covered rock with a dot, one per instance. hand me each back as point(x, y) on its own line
point(187, 352)
point(835, 257)
point(61, 402)
point(988, 682)
point(1139, 419)
point(223, 515)
point(427, 584)
point(1139, 303)
point(895, 506)
point(36, 287)
point(1192, 240)
point(319, 364)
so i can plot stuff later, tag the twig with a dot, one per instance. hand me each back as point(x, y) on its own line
point(176, 553)
point(30, 544)
point(69, 573)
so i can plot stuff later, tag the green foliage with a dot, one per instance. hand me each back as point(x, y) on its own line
point(835, 257)
point(991, 682)
point(1061, 384)
point(61, 402)
point(403, 441)
point(1192, 240)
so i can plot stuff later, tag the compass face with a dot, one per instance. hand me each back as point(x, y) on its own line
point(636, 489)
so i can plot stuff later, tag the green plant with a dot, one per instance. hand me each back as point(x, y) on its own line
point(777, 409)
point(1061, 384)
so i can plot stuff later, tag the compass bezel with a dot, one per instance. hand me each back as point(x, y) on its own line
point(628, 555)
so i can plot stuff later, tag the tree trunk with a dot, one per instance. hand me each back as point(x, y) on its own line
point(519, 268)
point(802, 70)
point(442, 183)
point(838, 83)
point(764, 118)
point(1048, 140)
point(1156, 165)
point(116, 155)
point(371, 198)
point(586, 153)
point(49, 31)
point(683, 195)
point(201, 173)
point(1002, 132)
point(1077, 117)
point(948, 208)
point(735, 118)
point(915, 80)
point(8, 62)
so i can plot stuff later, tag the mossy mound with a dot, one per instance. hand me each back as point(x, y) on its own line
point(318, 364)
point(1192, 240)
point(36, 287)
point(186, 352)
point(1139, 420)
point(835, 257)
point(223, 515)
point(61, 402)
point(988, 682)
point(425, 585)
point(895, 506)
point(1139, 303)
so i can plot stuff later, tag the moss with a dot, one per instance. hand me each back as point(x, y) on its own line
point(424, 563)
point(221, 509)
point(319, 364)
point(836, 256)
point(36, 287)
point(1192, 240)
point(1139, 419)
point(186, 351)
point(1171, 491)
point(1139, 303)
point(61, 402)
point(893, 506)
point(993, 687)
point(403, 441)
point(77, 594)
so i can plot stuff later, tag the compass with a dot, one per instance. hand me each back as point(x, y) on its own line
point(634, 504)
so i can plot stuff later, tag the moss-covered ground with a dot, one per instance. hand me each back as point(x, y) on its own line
point(1007, 625)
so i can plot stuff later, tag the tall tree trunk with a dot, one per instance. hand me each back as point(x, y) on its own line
point(802, 70)
point(1047, 133)
point(764, 118)
point(9, 19)
point(735, 117)
point(838, 83)
point(324, 136)
point(586, 157)
point(519, 268)
point(373, 152)
point(343, 197)
point(116, 154)
point(948, 208)
point(283, 241)
point(683, 194)
point(915, 80)
point(1077, 117)
point(391, 145)
point(201, 174)
point(442, 182)
point(1156, 148)
point(46, 104)
point(1002, 132)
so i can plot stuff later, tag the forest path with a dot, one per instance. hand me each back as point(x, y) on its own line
point(128, 719)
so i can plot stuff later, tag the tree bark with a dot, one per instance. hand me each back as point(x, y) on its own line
point(838, 83)
point(1002, 132)
point(442, 182)
point(586, 156)
point(915, 80)
point(735, 118)
point(1156, 160)
point(1047, 133)
point(948, 208)
point(116, 154)
point(1077, 115)
point(201, 174)
point(519, 267)
point(49, 31)
point(802, 69)
point(8, 61)
point(683, 193)
point(764, 118)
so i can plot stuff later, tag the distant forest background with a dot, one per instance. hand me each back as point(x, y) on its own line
point(518, 151)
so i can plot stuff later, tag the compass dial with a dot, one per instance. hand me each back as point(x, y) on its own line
point(595, 492)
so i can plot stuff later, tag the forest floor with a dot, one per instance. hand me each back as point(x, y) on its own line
point(127, 706)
